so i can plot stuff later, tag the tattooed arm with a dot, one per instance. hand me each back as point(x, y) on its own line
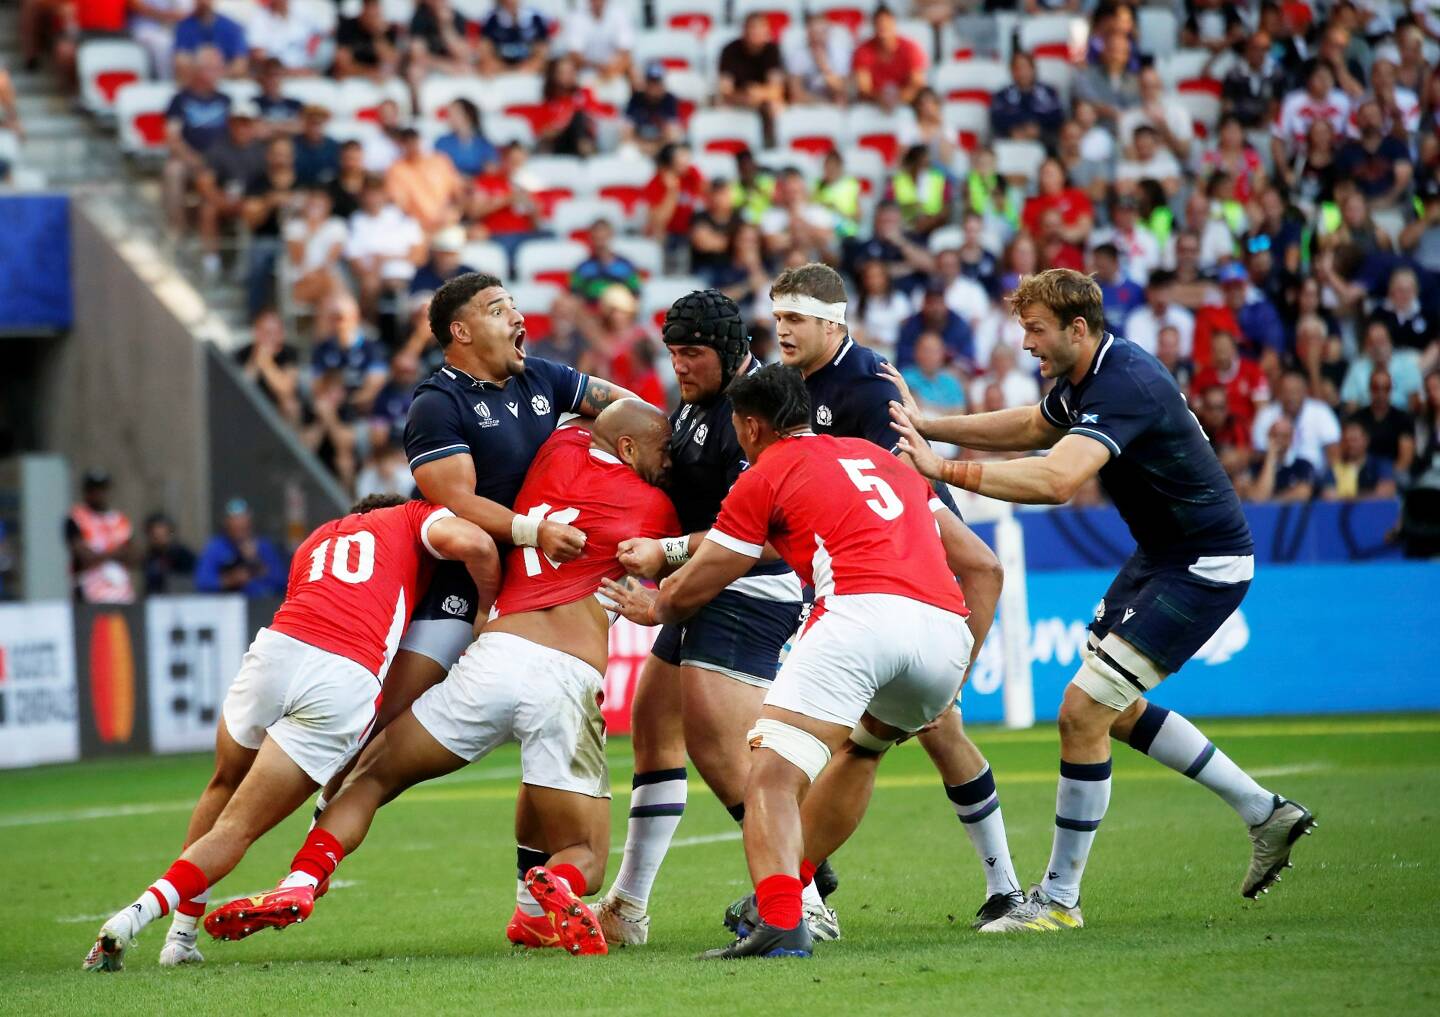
point(599, 394)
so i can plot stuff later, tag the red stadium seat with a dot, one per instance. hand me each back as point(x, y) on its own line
point(104, 66)
point(811, 129)
point(696, 17)
point(140, 115)
point(725, 130)
point(872, 128)
point(969, 80)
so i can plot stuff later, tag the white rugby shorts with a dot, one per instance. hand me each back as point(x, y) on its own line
point(900, 660)
point(317, 706)
point(505, 688)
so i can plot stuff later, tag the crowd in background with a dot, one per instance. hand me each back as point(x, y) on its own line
point(1280, 257)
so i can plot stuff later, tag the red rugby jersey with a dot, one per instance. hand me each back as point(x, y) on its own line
point(354, 582)
point(569, 482)
point(846, 516)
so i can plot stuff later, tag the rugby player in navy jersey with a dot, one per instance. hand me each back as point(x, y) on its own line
point(1115, 412)
point(850, 398)
point(703, 685)
point(471, 434)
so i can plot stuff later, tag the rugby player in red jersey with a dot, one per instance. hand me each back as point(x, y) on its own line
point(882, 654)
point(303, 700)
point(534, 676)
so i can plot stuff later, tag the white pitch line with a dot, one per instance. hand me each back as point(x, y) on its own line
point(709, 838)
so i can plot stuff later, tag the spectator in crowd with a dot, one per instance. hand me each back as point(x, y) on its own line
point(385, 248)
point(1313, 430)
point(922, 191)
point(652, 116)
point(1077, 214)
point(1399, 106)
point(194, 121)
point(1421, 238)
point(1213, 25)
point(566, 126)
point(504, 204)
point(1405, 318)
point(366, 46)
point(1379, 163)
point(1390, 430)
point(1357, 472)
point(1109, 17)
point(1174, 127)
point(279, 113)
point(599, 34)
point(102, 546)
point(315, 242)
point(425, 185)
point(272, 364)
point(317, 155)
point(1139, 250)
point(386, 470)
point(1254, 85)
point(839, 191)
point(348, 353)
point(465, 144)
point(889, 68)
point(1159, 311)
point(1245, 385)
point(817, 62)
point(1015, 387)
point(203, 28)
point(1110, 84)
point(977, 261)
point(445, 263)
point(234, 164)
point(1229, 437)
point(1420, 511)
point(514, 38)
point(288, 34)
point(1244, 313)
point(672, 196)
point(619, 346)
point(1168, 352)
point(1334, 52)
point(1318, 100)
point(745, 275)
point(963, 295)
point(270, 197)
point(168, 565)
point(440, 42)
point(754, 186)
point(1027, 109)
point(1194, 285)
point(1148, 161)
point(1086, 171)
point(1281, 475)
point(904, 257)
point(604, 268)
point(328, 427)
point(934, 386)
point(1234, 156)
point(345, 189)
point(710, 230)
point(751, 74)
point(798, 223)
point(880, 310)
point(392, 402)
point(1055, 250)
point(935, 317)
point(152, 24)
point(237, 560)
point(1402, 369)
point(1120, 293)
point(930, 129)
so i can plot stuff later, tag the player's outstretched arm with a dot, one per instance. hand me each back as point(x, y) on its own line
point(460, 540)
point(451, 482)
point(650, 558)
point(692, 587)
point(1020, 429)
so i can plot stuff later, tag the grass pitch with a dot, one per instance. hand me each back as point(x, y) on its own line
point(416, 925)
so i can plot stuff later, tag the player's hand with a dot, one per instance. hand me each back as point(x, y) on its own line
point(924, 457)
point(907, 398)
point(560, 542)
point(635, 602)
point(641, 556)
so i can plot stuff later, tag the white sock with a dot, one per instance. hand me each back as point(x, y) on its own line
point(526, 858)
point(1081, 799)
point(300, 879)
point(320, 802)
point(656, 805)
point(185, 925)
point(810, 897)
point(977, 804)
point(1169, 738)
point(158, 899)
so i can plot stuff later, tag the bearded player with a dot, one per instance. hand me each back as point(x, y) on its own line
point(702, 686)
point(534, 675)
point(882, 654)
point(1115, 412)
point(306, 695)
point(849, 397)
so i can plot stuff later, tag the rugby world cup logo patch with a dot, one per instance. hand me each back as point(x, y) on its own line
point(487, 419)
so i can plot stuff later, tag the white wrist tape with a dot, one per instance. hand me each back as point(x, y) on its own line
point(677, 549)
point(524, 531)
point(800, 303)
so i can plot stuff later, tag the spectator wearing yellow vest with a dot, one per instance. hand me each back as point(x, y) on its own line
point(101, 543)
point(840, 192)
point(754, 187)
point(923, 192)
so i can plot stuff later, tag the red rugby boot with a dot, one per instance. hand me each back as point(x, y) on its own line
point(534, 931)
point(275, 909)
point(576, 924)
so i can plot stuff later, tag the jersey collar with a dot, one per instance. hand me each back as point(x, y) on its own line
point(1100, 355)
point(606, 457)
point(845, 347)
point(455, 374)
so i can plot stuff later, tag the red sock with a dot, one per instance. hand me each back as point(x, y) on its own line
point(191, 908)
point(319, 856)
point(778, 899)
point(807, 872)
point(571, 875)
point(184, 879)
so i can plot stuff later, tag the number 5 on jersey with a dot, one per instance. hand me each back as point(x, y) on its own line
point(362, 542)
point(885, 504)
point(540, 513)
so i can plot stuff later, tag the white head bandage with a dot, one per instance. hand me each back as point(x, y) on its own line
point(800, 303)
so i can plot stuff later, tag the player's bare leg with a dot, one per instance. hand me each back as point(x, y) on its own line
point(403, 755)
point(718, 712)
point(574, 830)
point(969, 783)
point(1275, 823)
point(274, 788)
point(657, 800)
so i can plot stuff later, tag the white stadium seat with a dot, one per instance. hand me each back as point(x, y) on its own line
point(677, 50)
point(725, 130)
point(968, 123)
point(659, 293)
point(812, 129)
point(782, 13)
point(852, 15)
point(874, 128)
point(104, 66)
point(576, 216)
point(973, 80)
point(549, 260)
point(140, 115)
point(1159, 31)
point(697, 17)
point(486, 256)
point(1055, 35)
point(1018, 158)
point(312, 92)
point(642, 252)
point(440, 90)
